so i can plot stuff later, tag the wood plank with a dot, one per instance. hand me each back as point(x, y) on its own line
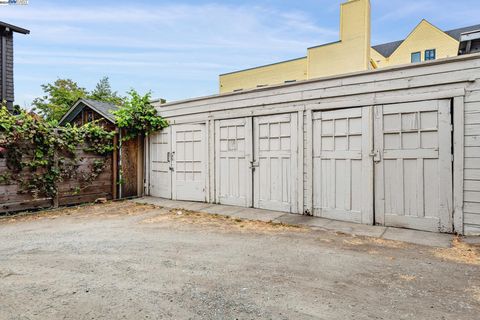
point(472, 207)
point(472, 196)
point(458, 163)
point(472, 96)
point(472, 185)
point(472, 118)
point(300, 162)
point(445, 167)
point(472, 174)
point(115, 167)
point(472, 129)
point(472, 218)
point(472, 141)
point(26, 205)
point(309, 161)
point(411, 154)
point(472, 152)
point(82, 199)
point(471, 230)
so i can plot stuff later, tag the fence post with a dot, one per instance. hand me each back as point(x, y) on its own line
point(114, 166)
point(55, 164)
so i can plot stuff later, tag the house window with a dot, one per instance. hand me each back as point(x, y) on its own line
point(416, 57)
point(430, 54)
point(90, 116)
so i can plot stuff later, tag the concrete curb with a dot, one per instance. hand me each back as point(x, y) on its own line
point(388, 233)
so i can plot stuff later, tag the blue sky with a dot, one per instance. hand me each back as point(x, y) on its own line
point(177, 49)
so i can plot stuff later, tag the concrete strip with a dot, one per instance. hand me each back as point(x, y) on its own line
point(194, 206)
point(356, 229)
point(221, 210)
point(166, 203)
point(299, 220)
point(257, 214)
point(419, 237)
point(405, 235)
point(474, 240)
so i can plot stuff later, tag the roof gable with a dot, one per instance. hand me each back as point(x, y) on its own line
point(105, 109)
point(387, 49)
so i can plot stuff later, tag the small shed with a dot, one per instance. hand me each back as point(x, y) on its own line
point(128, 155)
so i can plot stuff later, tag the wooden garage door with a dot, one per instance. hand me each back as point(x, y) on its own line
point(413, 170)
point(189, 154)
point(275, 155)
point(233, 156)
point(342, 166)
point(160, 179)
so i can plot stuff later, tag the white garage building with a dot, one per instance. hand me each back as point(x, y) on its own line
point(396, 147)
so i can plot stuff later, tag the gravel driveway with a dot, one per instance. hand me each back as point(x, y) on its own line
point(127, 261)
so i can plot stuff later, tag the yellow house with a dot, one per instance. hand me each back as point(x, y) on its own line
point(353, 52)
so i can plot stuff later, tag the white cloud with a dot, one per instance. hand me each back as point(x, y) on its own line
point(161, 43)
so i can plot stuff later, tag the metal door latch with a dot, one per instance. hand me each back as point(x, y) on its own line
point(376, 156)
point(254, 164)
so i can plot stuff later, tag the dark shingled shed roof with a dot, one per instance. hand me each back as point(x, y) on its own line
point(103, 108)
point(387, 49)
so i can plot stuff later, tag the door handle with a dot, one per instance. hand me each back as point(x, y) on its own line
point(254, 164)
point(377, 157)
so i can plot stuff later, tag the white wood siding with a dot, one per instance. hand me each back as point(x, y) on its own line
point(455, 79)
point(471, 209)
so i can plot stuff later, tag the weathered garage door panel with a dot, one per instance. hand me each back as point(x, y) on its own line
point(189, 162)
point(275, 154)
point(233, 156)
point(160, 173)
point(413, 177)
point(342, 166)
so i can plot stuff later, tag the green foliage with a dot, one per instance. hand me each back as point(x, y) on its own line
point(103, 92)
point(61, 95)
point(99, 140)
point(39, 156)
point(137, 116)
point(58, 98)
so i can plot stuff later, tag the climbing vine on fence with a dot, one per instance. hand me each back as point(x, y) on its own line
point(138, 116)
point(39, 155)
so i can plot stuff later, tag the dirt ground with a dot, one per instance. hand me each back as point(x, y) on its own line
point(127, 261)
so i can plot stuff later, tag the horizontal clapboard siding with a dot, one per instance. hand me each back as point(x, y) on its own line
point(472, 162)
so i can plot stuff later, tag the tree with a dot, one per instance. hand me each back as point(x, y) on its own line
point(59, 97)
point(137, 116)
point(103, 92)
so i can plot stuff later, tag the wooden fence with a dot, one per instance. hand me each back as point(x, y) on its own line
point(70, 192)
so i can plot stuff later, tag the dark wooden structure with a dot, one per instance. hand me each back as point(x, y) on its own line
point(6, 62)
point(127, 159)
